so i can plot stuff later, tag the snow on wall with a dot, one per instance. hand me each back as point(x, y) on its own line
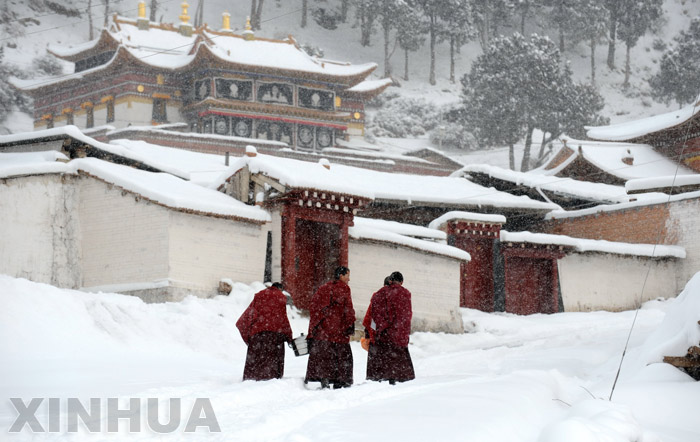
point(619, 282)
point(432, 280)
point(204, 249)
point(39, 240)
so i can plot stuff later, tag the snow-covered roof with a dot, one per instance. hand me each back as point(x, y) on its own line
point(403, 235)
point(164, 47)
point(637, 128)
point(646, 199)
point(370, 85)
point(470, 216)
point(413, 189)
point(646, 162)
point(162, 188)
point(541, 179)
point(590, 245)
point(401, 228)
point(662, 182)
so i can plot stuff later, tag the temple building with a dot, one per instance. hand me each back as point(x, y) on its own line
point(141, 73)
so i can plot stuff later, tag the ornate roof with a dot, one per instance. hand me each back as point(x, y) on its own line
point(163, 46)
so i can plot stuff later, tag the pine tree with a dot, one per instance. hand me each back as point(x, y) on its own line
point(431, 9)
point(410, 33)
point(364, 12)
point(457, 27)
point(679, 77)
point(636, 19)
point(388, 13)
point(517, 86)
point(488, 15)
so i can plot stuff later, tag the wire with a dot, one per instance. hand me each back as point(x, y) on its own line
point(646, 277)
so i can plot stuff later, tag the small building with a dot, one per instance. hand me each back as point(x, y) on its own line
point(675, 135)
point(93, 225)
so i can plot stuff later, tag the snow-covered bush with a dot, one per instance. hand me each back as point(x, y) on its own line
point(404, 117)
point(453, 135)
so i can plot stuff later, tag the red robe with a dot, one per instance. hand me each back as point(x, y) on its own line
point(388, 321)
point(267, 312)
point(331, 313)
point(265, 328)
point(391, 311)
point(332, 321)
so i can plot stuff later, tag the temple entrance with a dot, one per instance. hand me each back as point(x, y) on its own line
point(318, 254)
point(476, 283)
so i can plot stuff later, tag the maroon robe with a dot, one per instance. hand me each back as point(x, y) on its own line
point(332, 321)
point(388, 357)
point(265, 328)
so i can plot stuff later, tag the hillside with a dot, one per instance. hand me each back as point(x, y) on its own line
point(29, 27)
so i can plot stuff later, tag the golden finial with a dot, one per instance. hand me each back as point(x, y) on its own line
point(248, 33)
point(226, 18)
point(142, 9)
point(184, 17)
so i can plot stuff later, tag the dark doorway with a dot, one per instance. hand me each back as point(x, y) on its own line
point(317, 255)
point(529, 286)
point(476, 283)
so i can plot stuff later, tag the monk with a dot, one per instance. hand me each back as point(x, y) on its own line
point(265, 328)
point(331, 323)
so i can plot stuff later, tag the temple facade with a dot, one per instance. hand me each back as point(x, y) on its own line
point(141, 73)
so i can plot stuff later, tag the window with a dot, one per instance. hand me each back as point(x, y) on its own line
point(69, 118)
point(276, 93)
point(234, 89)
point(159, 111)
point(316, 99)
point(274, 130)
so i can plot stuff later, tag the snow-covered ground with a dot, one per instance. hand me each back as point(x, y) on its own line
point(507, 378)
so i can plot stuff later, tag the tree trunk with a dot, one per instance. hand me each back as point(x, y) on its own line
point(561, 29)
point(91, 33)
point(304, 12)
point(433, 37)
point(387, 66)
point(593, 45)
point(542, 144)
point(344, 7)
point(627, 66)
point(253, 8)
point(525, 165)
point(511, 156)
point(613, 34)
point(452, 59)
point(258, 15)
point(405, 65)
point(522, 19)
point(154, 10)
point(106, 12)
point(366, 21)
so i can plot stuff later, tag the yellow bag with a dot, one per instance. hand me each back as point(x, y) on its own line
point(364, 342)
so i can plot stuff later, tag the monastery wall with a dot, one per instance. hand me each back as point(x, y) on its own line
point(683, 225)
point(124, 239)
point(638, 225)
point(205, 249)
point(40, 229)
point(619, 283)
point(675, 223)
point(432, 280)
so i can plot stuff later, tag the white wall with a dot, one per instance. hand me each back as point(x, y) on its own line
point(123, 240)
point(432, 280)
point(683, 226)
point(614, 282)
point(205, 249)
point(40, 229)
